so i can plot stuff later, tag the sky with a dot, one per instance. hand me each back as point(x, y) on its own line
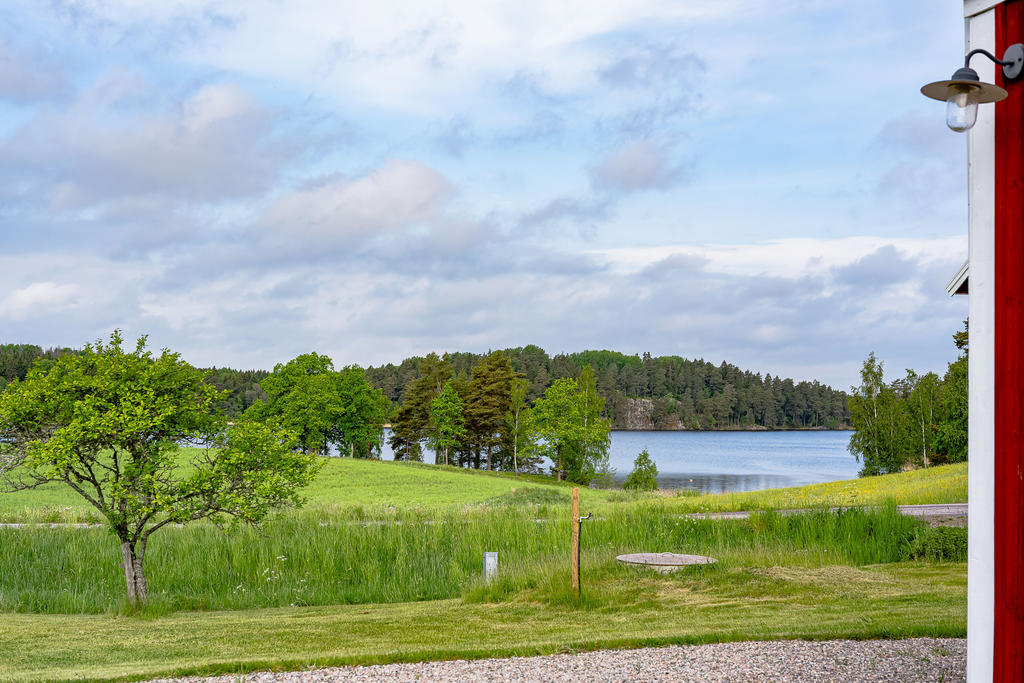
point(749, 181)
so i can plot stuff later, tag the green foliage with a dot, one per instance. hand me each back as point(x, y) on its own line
point(916, 421)
point(941, 544)
point(488, 400)
point(575, 436)
point(324, 407)
point(682, 393)
point(107, 423)
point(410, 424)
point(951, 439)
point(447, 420)
point(644, 476)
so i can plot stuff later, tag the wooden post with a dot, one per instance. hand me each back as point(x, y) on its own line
point(574, 553)
point(1008, 416)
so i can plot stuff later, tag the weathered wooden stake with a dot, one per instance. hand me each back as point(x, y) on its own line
point(574, 554)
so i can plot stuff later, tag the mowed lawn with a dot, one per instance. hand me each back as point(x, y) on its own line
point(619, 609)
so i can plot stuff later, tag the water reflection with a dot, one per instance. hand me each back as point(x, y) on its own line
point(721, 483)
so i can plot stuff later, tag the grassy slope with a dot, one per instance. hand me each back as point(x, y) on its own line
point(736, 604)
point(943, 484)
point(343, 481)
point(376, 484)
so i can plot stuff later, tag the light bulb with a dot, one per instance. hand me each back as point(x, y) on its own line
point(961, 108)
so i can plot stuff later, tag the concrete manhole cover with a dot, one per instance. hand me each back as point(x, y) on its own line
point(664, 562)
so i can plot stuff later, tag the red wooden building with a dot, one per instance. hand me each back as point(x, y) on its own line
point(995, 610)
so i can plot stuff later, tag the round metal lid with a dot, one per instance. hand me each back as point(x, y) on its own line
point(664, 559)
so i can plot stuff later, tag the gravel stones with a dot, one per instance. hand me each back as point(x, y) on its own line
point(915, 659)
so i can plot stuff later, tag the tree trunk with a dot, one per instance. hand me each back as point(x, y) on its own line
point(488, 457)
point(134, 577)
point(351, 450)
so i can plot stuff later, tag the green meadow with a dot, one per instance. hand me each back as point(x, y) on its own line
point(375, 485)
point(383, 564)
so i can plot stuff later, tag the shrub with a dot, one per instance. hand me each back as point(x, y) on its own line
point(941, 543)
point(644, 476)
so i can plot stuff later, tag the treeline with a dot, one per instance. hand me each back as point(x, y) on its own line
point(481, 419)
point(639, 392)
point(913, 421)
point(665, 392)
point(17, 359)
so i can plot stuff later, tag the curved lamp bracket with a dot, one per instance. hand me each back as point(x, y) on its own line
point(1013, 61)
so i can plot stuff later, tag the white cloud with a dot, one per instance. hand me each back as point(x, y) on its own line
point(215, 145)
point(37, 300)
point(397, 195)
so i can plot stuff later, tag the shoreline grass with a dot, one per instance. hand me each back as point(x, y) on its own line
point(940, 484)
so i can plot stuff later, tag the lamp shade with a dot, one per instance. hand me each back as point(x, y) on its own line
point(964, 80)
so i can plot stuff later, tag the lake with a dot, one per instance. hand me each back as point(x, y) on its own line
point(715, 462)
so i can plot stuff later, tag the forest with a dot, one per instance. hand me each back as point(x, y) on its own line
point(639, 392)
point(913, 421)
point(664, 392)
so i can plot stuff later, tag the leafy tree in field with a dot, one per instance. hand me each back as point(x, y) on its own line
point(520, 432)
point(644, 476)
point(447, 420)
point(410, 424)
point(576, 437)
point(108, 423)
point(359, 429)
point(303, 396)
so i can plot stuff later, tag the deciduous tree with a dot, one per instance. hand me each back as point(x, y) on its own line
point(108, 423)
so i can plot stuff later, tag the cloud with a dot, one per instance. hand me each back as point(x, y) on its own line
point(26, 77)
point(396, 196)
point(37, 298)
point(575, 210)
point(215, 145)
point(881, 268)
point(636, 166)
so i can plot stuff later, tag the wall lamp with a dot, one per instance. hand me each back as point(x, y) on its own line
point(965, 91)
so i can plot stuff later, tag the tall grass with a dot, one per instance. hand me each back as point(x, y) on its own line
point(317, 559)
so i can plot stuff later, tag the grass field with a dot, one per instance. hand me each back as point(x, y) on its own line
point(376, 485)
point(305, 560)
point(942, 484)
point(383, 565)
point(627, 609)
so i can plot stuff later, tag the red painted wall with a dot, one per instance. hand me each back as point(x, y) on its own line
point(1008, 654)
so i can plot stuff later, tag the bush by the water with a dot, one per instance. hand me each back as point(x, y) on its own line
point(644, 476)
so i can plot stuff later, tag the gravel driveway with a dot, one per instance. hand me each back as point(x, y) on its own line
point(848, 661)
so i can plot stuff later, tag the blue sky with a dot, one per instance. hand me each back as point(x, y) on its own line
point(757, 182)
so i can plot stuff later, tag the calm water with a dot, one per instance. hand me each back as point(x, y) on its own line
point(732, 461)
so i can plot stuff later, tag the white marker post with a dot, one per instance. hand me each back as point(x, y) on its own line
point(490, 566)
